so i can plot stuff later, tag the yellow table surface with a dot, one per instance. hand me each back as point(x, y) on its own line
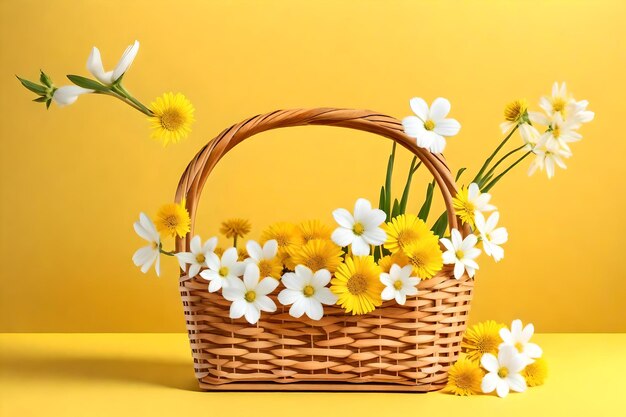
point(92, 375)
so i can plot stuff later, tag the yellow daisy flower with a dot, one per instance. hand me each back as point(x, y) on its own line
point(482, 338)
point(219, 251)
point(235, 228)
point(316, 254)
point(313, 229)
point(173, 220)
point(386, 262)
point(464, 378)
point(470, 199)
point(515, 110)
point(285, 234)
point(535, 374)
point(357, 285)
point(405, 229)
point(425, 256)
point(173, 116)
point(270, 268)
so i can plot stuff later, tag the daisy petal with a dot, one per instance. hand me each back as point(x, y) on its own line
point(489, 383)
point(419, 107)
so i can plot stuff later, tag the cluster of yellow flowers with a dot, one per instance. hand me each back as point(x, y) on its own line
point(356, 279)
point(497, 359)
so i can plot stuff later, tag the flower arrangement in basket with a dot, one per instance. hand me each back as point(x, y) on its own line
point(377, 301)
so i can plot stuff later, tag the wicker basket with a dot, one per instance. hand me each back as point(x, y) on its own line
point(395, 348)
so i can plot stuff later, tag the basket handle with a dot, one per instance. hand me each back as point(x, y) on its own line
point(198, 170)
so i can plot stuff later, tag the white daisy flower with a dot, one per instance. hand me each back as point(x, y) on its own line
point(478, 200)
point(197, 258)
point(461, 252)
point(548, 157)
point(562, 102)
point(66, 95)
point(222, 271)
point(260, 256)
point(399, 283)
point(561, 133)
point(306, 292)
point(518, 338)
point(490, 235)
point(360, 230)
point(149, 254)
point(430, 126)
point(503, 372)
point(94, 64)
point(249, 297)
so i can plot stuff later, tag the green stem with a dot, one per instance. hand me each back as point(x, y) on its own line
point(392, 158)
point(235, 241)
point(488, 161)
point(407, 187)
point(493, 169)
point(496, 179)
point(120, 90)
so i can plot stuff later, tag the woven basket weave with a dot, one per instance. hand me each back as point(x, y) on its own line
point(395, 348)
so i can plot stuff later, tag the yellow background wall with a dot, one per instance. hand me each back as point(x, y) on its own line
point(73, 180)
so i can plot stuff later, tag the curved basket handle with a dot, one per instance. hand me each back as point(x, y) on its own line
point(198, 170)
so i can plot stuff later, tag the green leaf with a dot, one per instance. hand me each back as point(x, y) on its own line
point(458, 174)
point(34, 87)
point(407, 187)
point(87, 83)
point(388, 181)
point(425, 210)
point(485, 180)
point(48, 103)
point(45, 80)
point(396, 208)
point(381, 202)
point(439, 228)
point(42, 99)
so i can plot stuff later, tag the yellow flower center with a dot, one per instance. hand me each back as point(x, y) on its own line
point(459, 254)
point(519, 347)
point(250, 296)
point(200, 258)
point(315, 262)
point(429, 125)
point(416, 260)
point(172, 120)
point(358, 229)
point(357, 284)
point(488, 344)
point(558, 105)
point(556, 131)
point(503, 372)
point(223, 272)
point(155, 245)
point(405, 237)
point(308, 291)
point(397, 285)
point(265, 268)
point(171, 221)
point(464, 381)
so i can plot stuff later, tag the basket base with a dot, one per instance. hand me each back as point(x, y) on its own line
point(318, 387)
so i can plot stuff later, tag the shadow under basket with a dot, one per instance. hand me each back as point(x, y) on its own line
point(395, 348)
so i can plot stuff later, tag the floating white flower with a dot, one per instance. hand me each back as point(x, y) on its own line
point(306, 292)
point(399, 283)
point(548, 156)
point(222, 271)
point(360, 230)
point(491, 235)
point(94, 64)
point(66, 95)
point(430, 126)
point(249, 297)
point(461, 252)
point(150, 254)
point(519, 339)
point(197, 258)
point(503, 372)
